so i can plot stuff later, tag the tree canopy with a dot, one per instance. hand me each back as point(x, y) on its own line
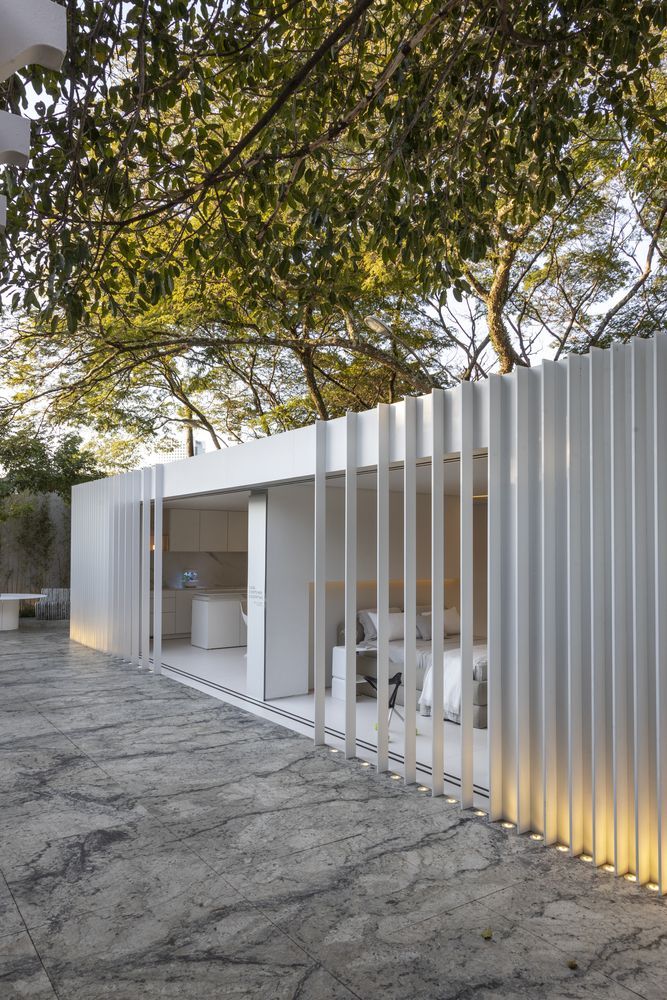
point(221, 192)
point(29, 463)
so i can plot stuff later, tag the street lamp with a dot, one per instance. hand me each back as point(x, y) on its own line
point(377, 325)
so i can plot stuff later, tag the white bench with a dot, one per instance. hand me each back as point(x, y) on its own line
point(9, 609)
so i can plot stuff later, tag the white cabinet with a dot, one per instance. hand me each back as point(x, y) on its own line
point(183, 611)
point(213, 531)
point(183, 530)
point(168, 612)
point(176, 612)
point(207, 530)
point(168, 623)
point(237, 533)
point(217, 622)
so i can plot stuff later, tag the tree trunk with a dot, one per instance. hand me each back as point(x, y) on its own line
point(189, 436)
point(496, 301)
point(306, 359)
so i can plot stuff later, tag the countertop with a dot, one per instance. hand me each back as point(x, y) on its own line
point(204, 590)
point(219, 595)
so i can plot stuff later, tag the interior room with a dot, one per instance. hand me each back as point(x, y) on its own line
point(204, 586)
point(240, 566)
point(289, 611)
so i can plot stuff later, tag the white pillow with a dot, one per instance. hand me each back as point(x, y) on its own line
point(396, 624)
point(368, 620)
point(452, 621)
point(424, 627)
point(365, 618)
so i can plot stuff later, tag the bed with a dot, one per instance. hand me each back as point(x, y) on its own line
point(452, 684)
point(367, 666)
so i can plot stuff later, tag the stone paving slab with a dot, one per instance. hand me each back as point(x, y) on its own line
point(157, 843)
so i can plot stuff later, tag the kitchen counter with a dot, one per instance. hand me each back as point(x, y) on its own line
point(218, 595)
point(203, 590)
point(217, 622)
point(177, 606)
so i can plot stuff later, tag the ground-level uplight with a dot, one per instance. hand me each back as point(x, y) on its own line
point(609, 868)
point(506, 825)
point(365, 763)
point(536, 836)
point(629, 877)
point(653, 886)
point(395, 777)
point(451, 801)
point(422, 788)
point(479, 812)
point(585, 857)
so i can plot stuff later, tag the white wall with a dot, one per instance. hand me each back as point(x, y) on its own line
point(257, 584)
point(289, 570)
point(215, 569)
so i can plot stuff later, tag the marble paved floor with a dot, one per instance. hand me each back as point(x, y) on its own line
point(157, 843)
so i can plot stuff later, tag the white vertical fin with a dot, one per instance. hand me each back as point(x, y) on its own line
point(351, 586)
point(495, 600)
point(157, 568)
point(320, 588)
point(660, 528)
point(382, 596)
point(522, 599)
point(466, 561)
point(620, 644)
point(410, 589)
point(146, 569)
point(437, 587)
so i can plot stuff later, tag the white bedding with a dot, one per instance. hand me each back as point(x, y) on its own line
point(452, 678)
point(452, 669)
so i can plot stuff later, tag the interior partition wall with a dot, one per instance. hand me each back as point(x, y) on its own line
point(577, 581)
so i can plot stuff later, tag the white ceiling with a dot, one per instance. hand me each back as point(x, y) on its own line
point(366, 480)
point(212, 501)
